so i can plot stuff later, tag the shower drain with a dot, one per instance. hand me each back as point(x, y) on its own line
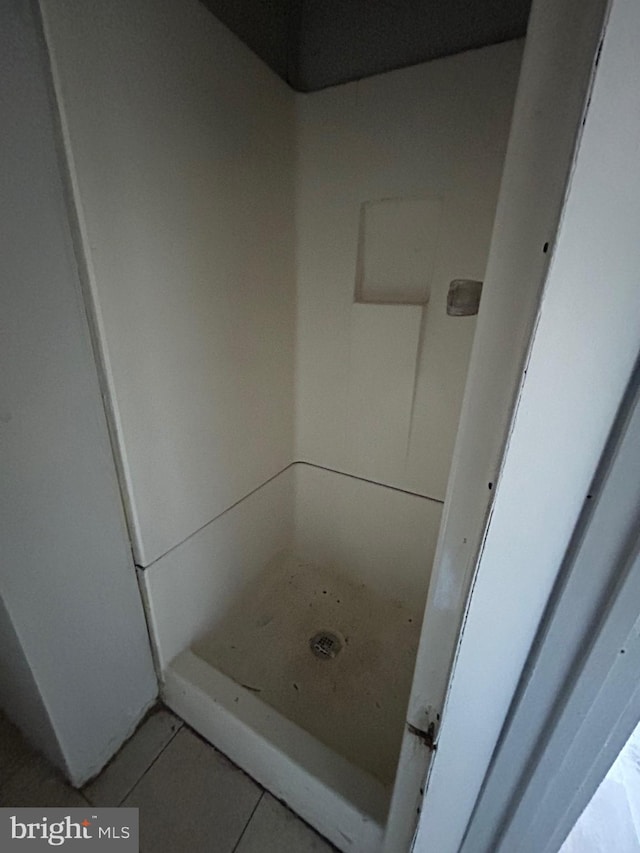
point(325, 644)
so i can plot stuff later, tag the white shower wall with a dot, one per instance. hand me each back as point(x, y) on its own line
point(379, 387)
point(373, 535)
point(213, 201)
point(181, 145)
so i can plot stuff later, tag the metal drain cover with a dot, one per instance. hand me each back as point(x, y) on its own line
point(325, 644)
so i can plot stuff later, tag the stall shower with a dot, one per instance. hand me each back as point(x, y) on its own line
point(283, 288)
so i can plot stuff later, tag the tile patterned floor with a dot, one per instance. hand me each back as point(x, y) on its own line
point(190, 796)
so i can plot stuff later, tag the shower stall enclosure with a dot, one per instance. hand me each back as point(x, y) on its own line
point(283, 289)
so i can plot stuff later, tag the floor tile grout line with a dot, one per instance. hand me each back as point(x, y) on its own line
point(246, 826)
point(140, 778)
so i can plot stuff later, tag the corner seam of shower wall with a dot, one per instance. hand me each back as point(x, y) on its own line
point(88, 289)
point(362, 479)
point(142, 569)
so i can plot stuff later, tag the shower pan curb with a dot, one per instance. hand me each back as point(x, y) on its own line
point(342, 802)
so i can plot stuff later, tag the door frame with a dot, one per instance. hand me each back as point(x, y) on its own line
point(553, 106)
point(579, 698)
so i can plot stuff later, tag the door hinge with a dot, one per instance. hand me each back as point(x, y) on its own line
point(428, 737)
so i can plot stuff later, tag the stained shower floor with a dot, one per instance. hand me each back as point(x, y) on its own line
point(354, 703)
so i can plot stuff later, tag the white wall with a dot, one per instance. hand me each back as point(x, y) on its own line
point(181, 144)
point(20, 697)
point(379, 387)
point(75, 645)
point(188, 165)
point(191, 587)
point(372, 534)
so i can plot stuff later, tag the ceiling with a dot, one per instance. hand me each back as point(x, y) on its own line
point(312, 44)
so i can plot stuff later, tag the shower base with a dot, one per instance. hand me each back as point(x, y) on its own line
point(329, 727)
point(286, 631)
point(355, 702)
